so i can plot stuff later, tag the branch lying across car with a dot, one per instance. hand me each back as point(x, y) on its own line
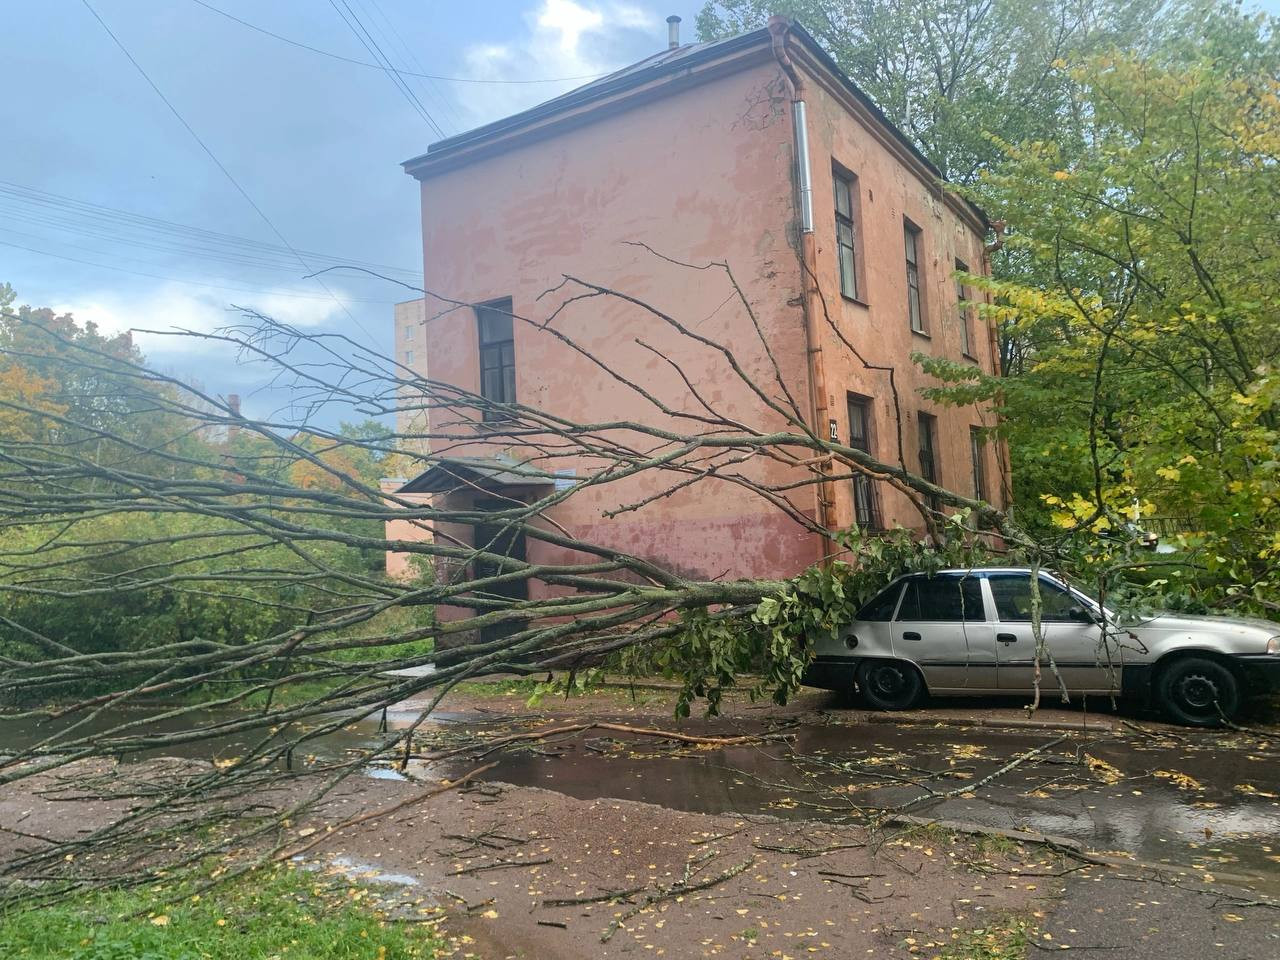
point(967, 632)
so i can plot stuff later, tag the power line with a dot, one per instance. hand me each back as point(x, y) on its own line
point(83, 217)
point(374, 66)
point(362, 34)
point(407, 56)
point(196, 283)
point(218, 163)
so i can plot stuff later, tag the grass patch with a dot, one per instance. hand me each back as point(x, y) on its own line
point(280, 912)
point(536, 692)
point(975, 846)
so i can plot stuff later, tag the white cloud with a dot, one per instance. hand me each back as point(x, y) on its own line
point(570, 20)
point(171, 308)
point(561, 38)
point(211, 365)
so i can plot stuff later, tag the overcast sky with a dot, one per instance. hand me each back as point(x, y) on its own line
point(314, 142)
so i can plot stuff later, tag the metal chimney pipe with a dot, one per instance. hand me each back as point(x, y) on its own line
point(673, 32)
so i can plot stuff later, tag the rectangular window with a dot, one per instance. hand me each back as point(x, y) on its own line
point(845, 235)
point(915, 303)
point(943, 599)
point(977, 449)
point(497, 355)
point(408, 331)
point(964, 311)
point(408, 358)
point(929, 453)
point(1012, 594)
point(866, 506)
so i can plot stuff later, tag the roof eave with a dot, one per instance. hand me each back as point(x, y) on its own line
point(580, 106)
point(630, 88)
point(822, 67)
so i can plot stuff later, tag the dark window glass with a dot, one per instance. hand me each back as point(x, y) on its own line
point(845, 236)
point(965, 311)
point(947, 598)
point(866, 504)
point(497, 355)
point(977, 450)
point(929, 453)
point(879, 609)
point(1012, 594)
point(915, 309)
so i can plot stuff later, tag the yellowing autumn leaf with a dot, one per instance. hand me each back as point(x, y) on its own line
point(1180, 779)
point(160, 921)
point(1250, 790)
point(1103, 770)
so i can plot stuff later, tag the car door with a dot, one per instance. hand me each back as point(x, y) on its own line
point(1073, 639)
point(930, 631)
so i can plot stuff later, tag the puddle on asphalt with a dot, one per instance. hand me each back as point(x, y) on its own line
point(827, 771)
point(1181, 801)
point(383, 773)
point(355, 870)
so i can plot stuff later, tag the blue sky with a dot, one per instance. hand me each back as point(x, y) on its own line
point(314, 142)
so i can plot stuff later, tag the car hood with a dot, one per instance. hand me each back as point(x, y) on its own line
point(1244, 627)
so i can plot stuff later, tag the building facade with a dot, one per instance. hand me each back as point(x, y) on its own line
point(756, 153)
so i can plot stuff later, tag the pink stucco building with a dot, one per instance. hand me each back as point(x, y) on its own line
point(754, 151)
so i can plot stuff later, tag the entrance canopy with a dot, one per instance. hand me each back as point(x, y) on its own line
point(499, 474)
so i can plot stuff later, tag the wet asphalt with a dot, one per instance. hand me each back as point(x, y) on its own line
point(1207, 801)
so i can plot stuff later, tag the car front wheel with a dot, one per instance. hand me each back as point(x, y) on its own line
point(1198, 692)
point(889, 684)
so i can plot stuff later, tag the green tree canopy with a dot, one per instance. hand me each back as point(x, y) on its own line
point(1150, 373)
point(952, 73)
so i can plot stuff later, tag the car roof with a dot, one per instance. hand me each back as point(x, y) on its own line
point(973, 570)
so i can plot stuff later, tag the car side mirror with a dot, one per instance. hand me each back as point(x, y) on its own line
point(1081, 615)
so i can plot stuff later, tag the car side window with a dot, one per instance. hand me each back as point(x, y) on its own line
point(879, 609)
point(948, 598)
point(1013, 600)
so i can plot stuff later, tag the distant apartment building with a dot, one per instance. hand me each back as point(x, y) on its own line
point(410, 354)
point(755, 151)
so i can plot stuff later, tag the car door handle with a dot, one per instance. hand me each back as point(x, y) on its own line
point(910, 635)
point(1007, 637)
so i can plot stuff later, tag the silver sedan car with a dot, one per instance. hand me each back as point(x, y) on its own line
point(963, 632)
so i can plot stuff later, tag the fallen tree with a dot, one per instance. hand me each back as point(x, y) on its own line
point(206, 505)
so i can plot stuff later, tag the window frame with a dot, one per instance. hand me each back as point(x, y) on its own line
point(917, 317)
point(927, 429)
point(1045, 585)
point(978, 453)
point(965, 313)
point(850, 288)
point(488, 348)
point(899, 586)
point(959, 580)
point(866, 498)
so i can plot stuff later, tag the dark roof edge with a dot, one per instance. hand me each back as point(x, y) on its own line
point(828, 62)
point(597, 90)
point(628, 78)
